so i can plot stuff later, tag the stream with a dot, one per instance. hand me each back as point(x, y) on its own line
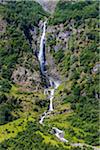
point(53, 85)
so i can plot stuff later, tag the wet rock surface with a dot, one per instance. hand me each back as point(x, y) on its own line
point(59, 134)
point(96, 68)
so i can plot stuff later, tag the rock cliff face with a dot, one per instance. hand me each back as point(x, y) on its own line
point(2, 25)
point(48, 5)
point(57, 40)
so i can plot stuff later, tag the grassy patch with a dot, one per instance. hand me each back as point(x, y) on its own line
point(11, 129)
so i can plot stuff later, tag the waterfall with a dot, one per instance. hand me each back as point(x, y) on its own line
point(42, 118)
point(51, 98)
point(59, 134)
point(54, 84)
point(41, 55)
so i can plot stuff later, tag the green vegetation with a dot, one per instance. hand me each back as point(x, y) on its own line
point(5, 86)
point(75, 10)
point(33, 137)
point(76, 109)
point(58, 56)
point(20, 17)
point(76, 63)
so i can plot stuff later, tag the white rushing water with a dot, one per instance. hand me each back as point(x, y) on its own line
point(53, 84)
point(59, 134)
point(50, 91)
point(42, 118)
point(41, 55)
point(51, 98)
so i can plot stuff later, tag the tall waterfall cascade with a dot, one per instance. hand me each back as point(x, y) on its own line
point(41, 55)
point(53, 84)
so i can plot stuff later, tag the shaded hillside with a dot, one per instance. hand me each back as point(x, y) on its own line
point(19, 68)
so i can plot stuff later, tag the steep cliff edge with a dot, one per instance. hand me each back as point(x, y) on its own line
point(48, 5)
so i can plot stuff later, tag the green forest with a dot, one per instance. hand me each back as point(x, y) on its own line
point(76, 58)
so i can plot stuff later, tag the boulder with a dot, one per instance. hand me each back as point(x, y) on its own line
point(96, 68)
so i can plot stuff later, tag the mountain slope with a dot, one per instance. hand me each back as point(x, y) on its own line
point(72, 55)
point(75, 47)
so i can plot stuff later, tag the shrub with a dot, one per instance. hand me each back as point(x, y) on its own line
point(5, 86)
